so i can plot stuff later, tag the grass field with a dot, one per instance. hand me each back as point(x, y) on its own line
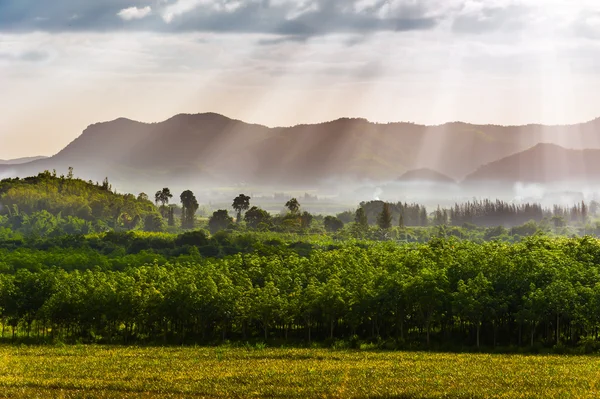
point(116, 372)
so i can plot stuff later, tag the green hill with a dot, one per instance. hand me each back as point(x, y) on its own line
point(45, 203)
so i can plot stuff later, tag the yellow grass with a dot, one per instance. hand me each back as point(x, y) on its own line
point(115, 372)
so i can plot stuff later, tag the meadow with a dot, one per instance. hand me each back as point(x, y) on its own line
point(91, 371)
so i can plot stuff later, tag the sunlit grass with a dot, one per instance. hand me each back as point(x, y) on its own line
point(115, 372)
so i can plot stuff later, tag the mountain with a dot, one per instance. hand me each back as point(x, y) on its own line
point(18, 161)
point(543, 163)
point(210, 150)
point(425, 175)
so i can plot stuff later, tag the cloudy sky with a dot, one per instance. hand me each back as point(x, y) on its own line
point(65, 64)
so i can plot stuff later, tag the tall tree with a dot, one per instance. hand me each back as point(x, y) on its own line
point(189, 208)
point(171, 217)
point(293, 205)
point(163, 196)
point(241, 203)
point(473, 299)
point(360, 218)
point(384, 220)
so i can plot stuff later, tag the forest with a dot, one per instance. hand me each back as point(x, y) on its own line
point(81, 263)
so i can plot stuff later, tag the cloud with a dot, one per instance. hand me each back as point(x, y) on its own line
point(279, 17)
point(127, 14)
point(26, 56)
point(481, 17)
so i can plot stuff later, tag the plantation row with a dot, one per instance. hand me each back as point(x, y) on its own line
point(540, 291)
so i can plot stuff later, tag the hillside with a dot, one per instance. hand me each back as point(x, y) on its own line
point(50, 200)
point(18, 161)
point(425, 175)
point(543, 163)
point(211, 150)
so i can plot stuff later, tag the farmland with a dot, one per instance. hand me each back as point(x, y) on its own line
point(90, 371)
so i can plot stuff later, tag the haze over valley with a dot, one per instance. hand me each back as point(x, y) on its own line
point(342, 162)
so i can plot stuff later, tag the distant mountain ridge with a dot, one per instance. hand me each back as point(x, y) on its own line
point(213, 150)
point(427, 175)
point(18, 161)
point(543, 163)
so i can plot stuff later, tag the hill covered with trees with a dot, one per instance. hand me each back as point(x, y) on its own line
point(47, 204)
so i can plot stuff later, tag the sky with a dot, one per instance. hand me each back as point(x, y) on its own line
point(66, 64)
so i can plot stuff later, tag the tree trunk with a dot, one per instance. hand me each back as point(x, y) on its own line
point(478, 328)
point(331, 329)
point(557, 328)
point(402, 329)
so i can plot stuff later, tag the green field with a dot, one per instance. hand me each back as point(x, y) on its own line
point(119, 372)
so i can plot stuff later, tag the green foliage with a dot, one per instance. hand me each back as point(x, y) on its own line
point(220, 220)
point(293, 205)
point(127, 287)
point(384, 220)
point(257, 218)
point(240, 204)
point(47, 205)
point(333, 224)
point(189, 207)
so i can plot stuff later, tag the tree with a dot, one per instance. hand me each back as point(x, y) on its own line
point(70, 173)
point(384, 220)
point(255, 216)
point(220, 220)
point(333, 224)
point(171, 216)
point(472, 300)
point(154, 223)
point(305, 220)
point(189, 208)
point(360, 218)
point(142, 197)
point(241, 203)
point(293, 205)
point(401, 221)
point(163, 196)
point(106, 186)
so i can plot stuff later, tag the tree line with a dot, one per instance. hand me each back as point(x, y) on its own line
point(538, 292)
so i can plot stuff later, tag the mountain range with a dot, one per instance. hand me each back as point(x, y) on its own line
point(211, 149)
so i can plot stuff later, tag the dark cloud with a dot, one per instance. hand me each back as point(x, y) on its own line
point(252, 16)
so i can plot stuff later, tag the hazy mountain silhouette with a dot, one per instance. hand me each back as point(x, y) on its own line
point(213, 149)
point(543, 163)
point(18, 161)
point(426, 175)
